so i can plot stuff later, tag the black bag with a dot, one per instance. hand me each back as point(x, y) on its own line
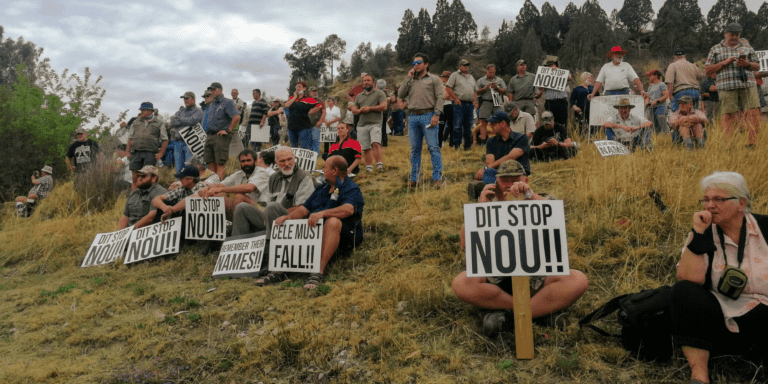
point(646, 327)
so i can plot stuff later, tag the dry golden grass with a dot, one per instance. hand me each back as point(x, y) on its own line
point(390, 315)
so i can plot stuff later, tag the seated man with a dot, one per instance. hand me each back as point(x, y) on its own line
point(247, 184)
point(140, 199)
point(520, 121)
point(628, 129)
point(171, 203)
point(687, 120)
point(206, 175)
point(505, 145)
point(551, 141)
point(549, 294)
point(340, 203)
point(43, 186)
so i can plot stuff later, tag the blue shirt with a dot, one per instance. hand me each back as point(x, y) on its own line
point(220, 114)
point(499, 148)
point(348, 193)
point(205, 119)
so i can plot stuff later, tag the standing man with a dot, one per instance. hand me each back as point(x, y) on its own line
point(143, 136)
point(187, 116)
point(207, 99)
point(683, 80)
point(257, 117)
point(521, 88)
point(424, 92)
point(733, 59)
point(369, 105)
point(461, 89)
point(82, 152)
point(484, 88)
point(709, 95)
point(616, 76)
point(223, 118)
point(351, 97)
point(240, 105)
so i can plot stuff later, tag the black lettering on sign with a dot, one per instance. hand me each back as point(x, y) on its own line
point(481, 251)
point(510, 245)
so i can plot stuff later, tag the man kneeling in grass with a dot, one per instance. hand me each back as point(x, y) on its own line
point(549, 294)
point(339, 202)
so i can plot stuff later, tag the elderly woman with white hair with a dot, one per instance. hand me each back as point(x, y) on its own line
point(720, 306)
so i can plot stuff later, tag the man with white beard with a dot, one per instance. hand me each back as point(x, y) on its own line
point(288, 189)
point(616, 76)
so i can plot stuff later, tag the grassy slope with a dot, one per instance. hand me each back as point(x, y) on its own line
point(390, 315)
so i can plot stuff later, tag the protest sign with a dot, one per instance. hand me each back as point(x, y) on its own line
point(205, 218)
point(547, 77)
point(498, 101)
point(107, 247)
point(516, 238)
point(328, 134)
point(259, 134)
point(194, 137)
point(154, 241)
point(122, 135)
point(241, 256)
point(294, 246)
point(611, 148)
point(601, 108)
point(305, 158)
point(762, 59)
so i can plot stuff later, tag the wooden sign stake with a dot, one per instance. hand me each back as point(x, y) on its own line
point(521, 299)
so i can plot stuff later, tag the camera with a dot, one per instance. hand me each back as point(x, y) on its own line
point(733, 282)
point(36, 174)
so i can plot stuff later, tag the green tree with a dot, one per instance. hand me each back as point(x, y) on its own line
point(361, 58)
point(679, 24)
point(588, 39)
point(531, 50)
point(505, 50)
point(569, 14)
point(306, 62)
point(17, 55)
point(550, 29)
point(333, 47)
point(722, 13)
point(414, 35)
point(454, 29)
point(636, 15)
point(485, 35)
point(345, 73)
point(528, 18)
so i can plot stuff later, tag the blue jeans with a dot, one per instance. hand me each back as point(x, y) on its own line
point(169, 153)
point(398, 123)
point(419, 129)
point(303, 137)
point(316, 139)
point(181, 154)
point(462, 123)
point(489, 176)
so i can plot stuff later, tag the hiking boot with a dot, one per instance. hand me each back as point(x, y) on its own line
point(497, 322)
point(553, 320)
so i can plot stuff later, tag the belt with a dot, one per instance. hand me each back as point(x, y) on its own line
point(421, 111)
point(616, 90)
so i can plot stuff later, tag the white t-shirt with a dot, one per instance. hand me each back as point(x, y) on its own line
point(332, 113)
point(615, 77)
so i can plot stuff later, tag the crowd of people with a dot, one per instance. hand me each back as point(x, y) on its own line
point(270, 187)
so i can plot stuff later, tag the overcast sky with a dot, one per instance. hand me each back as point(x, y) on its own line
point(157, 50)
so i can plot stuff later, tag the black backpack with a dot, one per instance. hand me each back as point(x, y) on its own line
point(646, 328)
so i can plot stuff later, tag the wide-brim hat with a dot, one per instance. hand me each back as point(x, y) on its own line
point(616, 49)
point(146, 106)
point(47, 169)
point(624, 103)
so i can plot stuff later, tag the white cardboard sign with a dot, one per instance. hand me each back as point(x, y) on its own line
point(194, 137)
point(762, 59)
point(601, 108)
point(611, 148)
point(155, 240)
point(259, 134)
point(107, 247)
point(305, 158)
point(547, 77)
point(328, 134)
point(240, 257)
point(205, 218)
point(516, 238)
point(294, 246)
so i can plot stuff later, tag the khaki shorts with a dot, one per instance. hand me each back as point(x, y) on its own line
point(217, 148)
point(368, 134)
point(730, 100)
point(487, 109)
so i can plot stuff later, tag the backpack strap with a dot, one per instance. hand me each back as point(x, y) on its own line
point(610, 307)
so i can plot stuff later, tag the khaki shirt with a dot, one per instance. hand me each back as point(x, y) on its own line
point(146, 134)
point(424, 93)
point(463, 86)
point(373, 99)
point(683, 75)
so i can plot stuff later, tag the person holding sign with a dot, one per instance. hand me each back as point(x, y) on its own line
point(187, 116)
point(549, 294)
point(140, 199)
point(688, 122)
point(720, 304)
point(556, 101)
point(551, 141)
point(247, 184)
point(369, 105)
point(171, 203)
point(484, 89)
point(733, 59)
point(505, 145)
point(629, 129)
point(339, 203)
point(346, 147)
point(256, 119)
point(617, 76)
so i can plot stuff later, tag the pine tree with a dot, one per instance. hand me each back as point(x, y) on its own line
point(569, 14)
point(550, 29)
point(679, 24)
point(722, 13)
point(588, 39)
point(636, 15)
point(454, 29)
point(360, 59)
point(531, 50)
point(505, 50)
point(333, 47)
point(485, 35)
point(528, 18)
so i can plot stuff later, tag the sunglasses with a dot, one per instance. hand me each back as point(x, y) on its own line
point(417, 62)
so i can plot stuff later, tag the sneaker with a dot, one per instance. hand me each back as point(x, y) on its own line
point(380, 166)
point(553, 320)
point(369, 168)
point(497, 322)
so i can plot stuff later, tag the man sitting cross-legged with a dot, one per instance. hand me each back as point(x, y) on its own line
point(339, 203)
point(549, 294)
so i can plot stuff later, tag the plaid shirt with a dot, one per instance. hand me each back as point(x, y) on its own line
point(730, 77)
point(177, 195)
point(44, 188)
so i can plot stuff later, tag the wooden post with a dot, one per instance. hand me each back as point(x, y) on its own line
point(523, 322)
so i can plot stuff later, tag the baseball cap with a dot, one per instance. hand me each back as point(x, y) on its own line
point(510, 168)
point(510, 106)
point(81, 131)
point(733, 27)
point(498, 116)
point(679, 51)
point(215, 85)
point(547, 117)
point(206, 93)
point(188, 95)
point(520, 62)
point(188, 171)
point(148, 170)
point(146, 105)
point(464, 62)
